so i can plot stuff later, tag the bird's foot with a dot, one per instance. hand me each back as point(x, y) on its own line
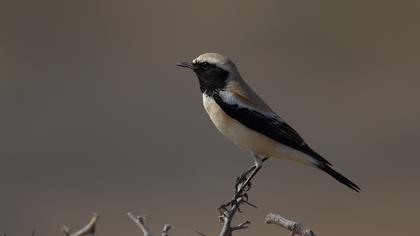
point(242, 186)
point(243, 181)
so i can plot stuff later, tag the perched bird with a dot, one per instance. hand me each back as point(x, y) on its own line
point(244, 118)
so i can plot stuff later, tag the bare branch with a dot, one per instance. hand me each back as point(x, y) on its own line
point(226, 216)
point(227, 213)
point(89, 229)
point(295, 228)
point(139, 220)
point(228, 210)
point(166, 229)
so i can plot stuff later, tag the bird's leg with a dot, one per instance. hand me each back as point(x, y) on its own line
point(245, 183)
point(243, 177)
point(242, 184)
point(240, 179)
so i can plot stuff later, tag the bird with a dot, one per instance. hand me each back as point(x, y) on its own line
point(245, 119)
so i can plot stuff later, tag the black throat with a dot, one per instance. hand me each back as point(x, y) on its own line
point(212, 80)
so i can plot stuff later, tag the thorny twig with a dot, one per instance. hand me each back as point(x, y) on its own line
point(228, 211)
point(89, 229)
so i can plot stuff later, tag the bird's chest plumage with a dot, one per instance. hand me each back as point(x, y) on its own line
point(222, 121)
point(241, 135)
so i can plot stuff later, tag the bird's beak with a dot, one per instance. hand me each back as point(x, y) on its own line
point(186, 65)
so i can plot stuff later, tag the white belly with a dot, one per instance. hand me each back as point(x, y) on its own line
point(241, 135)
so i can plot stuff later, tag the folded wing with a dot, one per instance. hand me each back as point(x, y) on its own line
point(269, 124)
point(272, 126)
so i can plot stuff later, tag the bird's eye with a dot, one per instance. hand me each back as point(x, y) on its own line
point(204, 65)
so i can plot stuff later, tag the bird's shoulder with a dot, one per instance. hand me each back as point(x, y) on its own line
point(240, 92)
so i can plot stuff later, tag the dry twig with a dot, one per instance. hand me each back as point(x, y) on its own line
point(295, 228)
point(166, 229)
point(140, 222)
point(89, 229)
point(228, 211)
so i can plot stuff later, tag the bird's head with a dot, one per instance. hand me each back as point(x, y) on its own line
point(213, 70)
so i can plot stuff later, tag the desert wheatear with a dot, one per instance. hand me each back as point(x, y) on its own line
point(244, 118)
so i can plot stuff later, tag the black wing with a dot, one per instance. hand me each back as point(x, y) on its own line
point(270, 126)
point(275, 128)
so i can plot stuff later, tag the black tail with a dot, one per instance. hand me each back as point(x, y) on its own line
point(338, 177)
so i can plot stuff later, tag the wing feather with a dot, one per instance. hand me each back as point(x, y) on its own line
point(272, 126)
point(269, 124)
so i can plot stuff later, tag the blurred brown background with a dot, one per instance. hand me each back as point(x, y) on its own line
point(95, 116)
